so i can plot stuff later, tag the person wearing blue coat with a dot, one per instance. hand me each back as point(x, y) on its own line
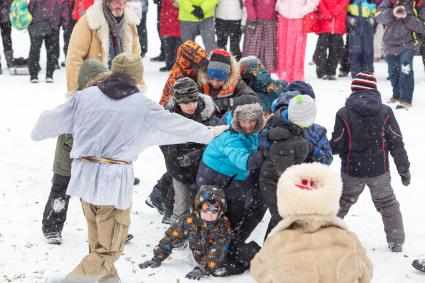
point(228, 162)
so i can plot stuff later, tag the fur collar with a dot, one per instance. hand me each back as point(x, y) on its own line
point(208, 103)
point(308, 223)
point(233, 79)
point(97, 22)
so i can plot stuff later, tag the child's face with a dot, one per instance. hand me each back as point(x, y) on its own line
point(248, 126)
point(209, 216)
point(189, 108)
point(216, 83)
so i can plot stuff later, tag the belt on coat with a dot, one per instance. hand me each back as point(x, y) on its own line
point(104, 160)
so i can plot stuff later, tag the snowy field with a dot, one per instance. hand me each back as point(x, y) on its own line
point(26, 173)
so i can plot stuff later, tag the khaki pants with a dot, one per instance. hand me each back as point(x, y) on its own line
point(107, 232)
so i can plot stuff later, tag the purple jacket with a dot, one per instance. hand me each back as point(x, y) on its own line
point(401, 34)
point(260, 9)
point(54, 11)
point(4, 10)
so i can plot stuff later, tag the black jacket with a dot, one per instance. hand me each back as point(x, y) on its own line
point(182, 160)
point(289, 146)
point(365, 132)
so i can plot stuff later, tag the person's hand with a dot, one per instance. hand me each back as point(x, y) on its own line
point(219, 129)
point(149, 263)
point(198, 12)
point(371, 20)
point(405, 178)
point(400, 12)
point(197, 273)
point(352, 21)
point(251, 25)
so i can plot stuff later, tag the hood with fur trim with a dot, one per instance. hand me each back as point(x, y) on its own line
point(308, 189)
point(248, 109)
point(231, 81)
point(97, 22)
point(205, 103)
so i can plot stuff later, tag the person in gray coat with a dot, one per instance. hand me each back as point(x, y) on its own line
point(111, 124)
point(404, 21)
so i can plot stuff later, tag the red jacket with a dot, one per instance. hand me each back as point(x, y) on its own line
point(333, 16)
point(169, 24)
point(80, 8)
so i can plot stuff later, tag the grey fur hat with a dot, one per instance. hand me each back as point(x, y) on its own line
point(248, 112)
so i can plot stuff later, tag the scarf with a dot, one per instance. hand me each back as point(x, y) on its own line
point(116, 26)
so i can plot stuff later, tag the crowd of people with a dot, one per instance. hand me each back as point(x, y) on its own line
point(236, 142)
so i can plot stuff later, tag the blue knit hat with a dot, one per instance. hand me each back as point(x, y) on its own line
point(219, 65)
point(303, 87)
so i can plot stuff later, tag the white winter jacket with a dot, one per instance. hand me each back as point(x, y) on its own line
point(229, 10)
point(295, 9)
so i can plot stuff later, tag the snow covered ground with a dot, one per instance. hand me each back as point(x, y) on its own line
point(26, 173)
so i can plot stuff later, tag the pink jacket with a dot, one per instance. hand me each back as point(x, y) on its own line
point(260, 9)
point(295, 9)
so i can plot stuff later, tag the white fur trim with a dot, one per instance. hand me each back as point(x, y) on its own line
point(97, 22)
point(323, 199)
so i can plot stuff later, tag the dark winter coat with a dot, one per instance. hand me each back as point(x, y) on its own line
point(62, 161)
point(222, 96)
point(365, 131)
point(401, 34)
point(182, 160)
point(208, 241)
point(4, 10)
point(53, 11)
point(288, 146)
point(190, 57)
point(259, 79)
point(333, 16)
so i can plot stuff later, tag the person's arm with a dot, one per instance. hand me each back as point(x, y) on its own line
point(340, 8)
point(340, 135)
point(236, 152)
point(79, 46)
point(395, 143)
point(413, 23)
point(385, 13)
point(54, 122)
point(309, 6)
point(250, 10)
point(208, 5)
point(322, 151)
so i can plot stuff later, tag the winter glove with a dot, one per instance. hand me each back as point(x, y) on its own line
point(244, 99)
point(219, 129)
point(251, 25)
point(197, 273)
point(149, 263)
point(198, 12)
point(352, 21)
point(255, 160)
point(371, 21)
point(405, 178)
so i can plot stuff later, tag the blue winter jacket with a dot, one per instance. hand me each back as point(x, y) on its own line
point(228, 153)
point(322, 152)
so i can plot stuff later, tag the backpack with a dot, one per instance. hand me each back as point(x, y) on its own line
point(19, 16)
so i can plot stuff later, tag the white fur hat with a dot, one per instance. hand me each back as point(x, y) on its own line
point(308, 189)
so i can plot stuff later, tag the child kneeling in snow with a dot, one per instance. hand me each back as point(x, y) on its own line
point(207, 230)
point(311, 244)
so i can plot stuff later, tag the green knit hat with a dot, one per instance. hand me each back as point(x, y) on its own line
point(130, 65)
point(88, 70)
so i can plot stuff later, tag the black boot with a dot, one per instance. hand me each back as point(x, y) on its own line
point(9, 58)
point(159, 58)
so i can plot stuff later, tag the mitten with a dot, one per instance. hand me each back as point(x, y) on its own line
point(405, 178)
point(198, 12)
point(197, 273)
point(149, 263)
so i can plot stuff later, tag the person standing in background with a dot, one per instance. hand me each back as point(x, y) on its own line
point(228, 17)
point(291, 37)
point(6, 31)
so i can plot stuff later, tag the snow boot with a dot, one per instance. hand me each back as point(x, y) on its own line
point(395, 247)
point(136, 181)
point(419, 264)
point(154, 200)
point(53, 238)
point(129, 238)
point(8, 55)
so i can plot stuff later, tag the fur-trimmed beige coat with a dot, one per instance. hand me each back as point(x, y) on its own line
point(312, 249)
point(90, 40)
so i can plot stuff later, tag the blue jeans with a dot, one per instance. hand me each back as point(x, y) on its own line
point(400, 69)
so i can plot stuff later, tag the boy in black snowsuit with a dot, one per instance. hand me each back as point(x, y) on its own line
point(365, 132)
point(207, 230)
point(288, 146)
point(182, 160)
